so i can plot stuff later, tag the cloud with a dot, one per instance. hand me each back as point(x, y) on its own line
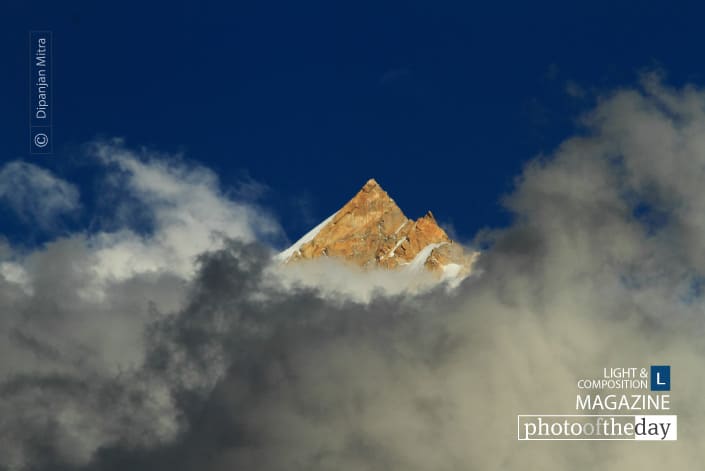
point(36, 195)
point(75, 311)
point(188, 211)
point(250, 371)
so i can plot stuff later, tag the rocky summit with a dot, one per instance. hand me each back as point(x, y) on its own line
point(372, 231)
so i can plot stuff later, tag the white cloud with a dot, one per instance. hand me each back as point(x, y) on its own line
point(35, 194)
point(190, 214)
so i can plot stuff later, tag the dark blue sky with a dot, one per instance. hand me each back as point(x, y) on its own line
point(441, 102)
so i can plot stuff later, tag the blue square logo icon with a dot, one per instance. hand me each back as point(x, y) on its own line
point(660, 378)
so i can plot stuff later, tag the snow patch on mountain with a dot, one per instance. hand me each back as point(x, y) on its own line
point(309, 236)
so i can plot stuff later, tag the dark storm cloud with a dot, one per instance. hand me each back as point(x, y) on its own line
point(247, 369)
point(75, 312)
point(244, 345)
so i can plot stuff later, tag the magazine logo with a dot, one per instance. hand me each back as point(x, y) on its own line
point(660, 378)
point(597, 427)
point(626, 394)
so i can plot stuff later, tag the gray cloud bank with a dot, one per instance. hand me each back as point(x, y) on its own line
point(226, 366)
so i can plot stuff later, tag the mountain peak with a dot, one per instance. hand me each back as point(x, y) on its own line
point(371, 230)
point(372, 186)
point(371, 183)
